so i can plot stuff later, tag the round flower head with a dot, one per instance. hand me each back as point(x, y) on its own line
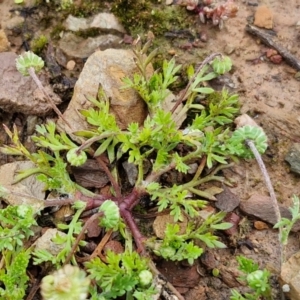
point(28, 60)
point(76, 158)
point(67, 283)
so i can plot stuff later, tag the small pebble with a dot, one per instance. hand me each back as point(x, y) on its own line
point(259, 225)
point(276, 59)
point(70, 65)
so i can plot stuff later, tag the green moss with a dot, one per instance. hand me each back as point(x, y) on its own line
point(56, 31)
point(86, 8)
point(141, 16)
point(38, 44)
point(92, 32)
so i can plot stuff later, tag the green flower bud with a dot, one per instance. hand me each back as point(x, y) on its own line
point(67, 283)
point(76, 158)
point(255, 276)
point(222, 65)
point(28, 60)
point(111, 216)
point(146, 277)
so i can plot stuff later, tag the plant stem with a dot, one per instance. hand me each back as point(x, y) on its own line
point(33, 75)
point(185, 91)
point(154, 175)
point(270, 188)
point(80, 236)
point(200, 168)
point(110, 176)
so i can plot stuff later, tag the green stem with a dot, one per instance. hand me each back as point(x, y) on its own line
point(97, 138)
point(186, 91)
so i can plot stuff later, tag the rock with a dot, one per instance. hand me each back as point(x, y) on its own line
point(290, 274)
point(90, 175)
point(45, 241)
point(263, 17)
point(276, 59)
point(103, 21)
point(178, 275)
point(259, 225)
point(244, 120)
point(14, 22)
point(226, 200)
point(107, 21)
point(19, 93)
point(261, 207)
point(229, 49)
point(297, 76)
point(75, 46)
point(209, 260)
point(4, 43)
point(160, 225)
point(70, 65)
point(106, 69)
point(252, 3)
point(28, 191)
point(76, 24)
point(293, 157)
point(131, 172)
point(234, 219)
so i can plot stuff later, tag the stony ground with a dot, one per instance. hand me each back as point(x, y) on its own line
point(269, 92)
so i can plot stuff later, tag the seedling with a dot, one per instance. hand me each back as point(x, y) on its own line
point(256, 279)
point(15, 229)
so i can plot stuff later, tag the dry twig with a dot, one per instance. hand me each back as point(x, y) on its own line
point(267, 39)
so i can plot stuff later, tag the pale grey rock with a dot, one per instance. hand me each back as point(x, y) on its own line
point(131, 171)
point(75, 46)
point(103, 21)
point(290, 274)
point(107, 21)
point(19, 93)
point(28, 191)
point(45, 241)
point(75, 24)
point(107, 69)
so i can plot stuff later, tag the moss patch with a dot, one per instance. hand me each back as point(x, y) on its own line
point(141, 16)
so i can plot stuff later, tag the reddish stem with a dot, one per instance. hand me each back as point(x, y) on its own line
point(126, 205)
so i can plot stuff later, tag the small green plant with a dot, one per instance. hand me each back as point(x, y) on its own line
point(73, 229)
point(167, 144)
point(178, 247)
point(15, 228)
point(287, 224)
point(124, 273)
point(257, 280)
point(39, 43)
